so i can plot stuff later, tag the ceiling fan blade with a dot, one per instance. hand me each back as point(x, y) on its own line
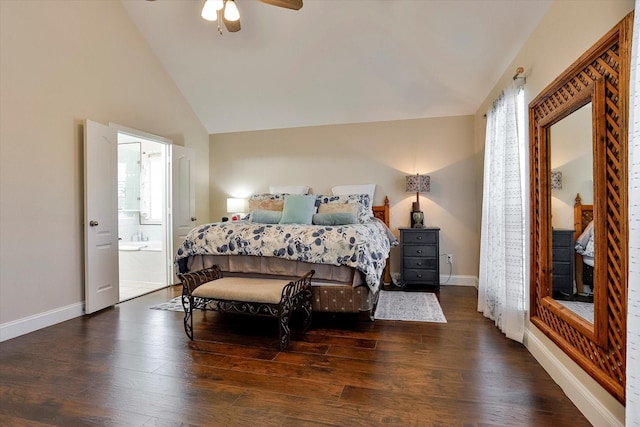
point(232, 26)
point(289, 4)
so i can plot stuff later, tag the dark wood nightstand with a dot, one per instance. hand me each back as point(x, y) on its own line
point(563, 262)
point(420, 257)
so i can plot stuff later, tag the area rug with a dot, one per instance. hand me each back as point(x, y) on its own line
point(582, 309)
point(409, 306)
point(174, 304)
point(392, 305)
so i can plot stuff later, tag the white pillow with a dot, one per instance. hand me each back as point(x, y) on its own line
point(289, 189)
point(345, 190)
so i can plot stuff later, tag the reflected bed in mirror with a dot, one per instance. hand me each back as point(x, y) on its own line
point(580, 301)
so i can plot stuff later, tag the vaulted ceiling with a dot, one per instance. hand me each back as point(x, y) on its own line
point(336, 61)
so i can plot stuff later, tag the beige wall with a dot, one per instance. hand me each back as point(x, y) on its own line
point(572, 154)
point(382, 153)
point(568, 30)
point(62, 62)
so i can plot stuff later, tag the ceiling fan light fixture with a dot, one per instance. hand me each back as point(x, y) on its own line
point(231, 12)
point(211, 8)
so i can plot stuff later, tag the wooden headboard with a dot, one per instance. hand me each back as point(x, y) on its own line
point(382, 213)
point(582, 216)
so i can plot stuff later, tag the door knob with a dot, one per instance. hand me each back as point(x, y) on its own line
point(93, 223)
point(193, 218)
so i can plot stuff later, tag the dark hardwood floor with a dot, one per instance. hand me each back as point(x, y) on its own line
point(130, 365)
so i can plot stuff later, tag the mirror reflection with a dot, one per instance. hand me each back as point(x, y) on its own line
point(152, 182)
point(129, 176)
point(141, 180)
point(571, 182)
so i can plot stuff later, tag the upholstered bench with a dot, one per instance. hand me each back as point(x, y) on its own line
point(254, 296)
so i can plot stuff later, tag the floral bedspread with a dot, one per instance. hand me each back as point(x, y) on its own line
point(363, 246)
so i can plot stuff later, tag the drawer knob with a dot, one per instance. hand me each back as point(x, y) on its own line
point(419, 263)
point(419, 251)
point(419, 238)
point(419, 276)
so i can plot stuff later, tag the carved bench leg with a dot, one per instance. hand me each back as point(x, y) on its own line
point(284, 334)
point(187, 304)
point(307, 307)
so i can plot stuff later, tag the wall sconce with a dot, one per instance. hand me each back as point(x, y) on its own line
point(556, 180)
point(419, 184)
point(236, 207)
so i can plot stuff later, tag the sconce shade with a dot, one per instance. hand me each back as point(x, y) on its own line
point(556, 180)
point(418, 183)
point(235, 205)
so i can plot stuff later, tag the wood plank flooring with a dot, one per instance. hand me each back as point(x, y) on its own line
point(132, 366)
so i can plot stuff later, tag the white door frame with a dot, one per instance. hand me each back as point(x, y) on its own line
point(167, 233)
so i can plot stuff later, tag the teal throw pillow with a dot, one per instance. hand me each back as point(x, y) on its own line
point(335, 218)
point(298, 209)
point(263, 216)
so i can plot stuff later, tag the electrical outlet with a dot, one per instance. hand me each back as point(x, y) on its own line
point(449, 259)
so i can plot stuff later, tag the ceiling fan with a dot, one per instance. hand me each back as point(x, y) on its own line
point(227, 11)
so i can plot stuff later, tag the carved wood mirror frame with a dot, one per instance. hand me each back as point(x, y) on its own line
point(599, 76)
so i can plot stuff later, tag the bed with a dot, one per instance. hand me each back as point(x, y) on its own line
point(350, 259)
point(583, 226)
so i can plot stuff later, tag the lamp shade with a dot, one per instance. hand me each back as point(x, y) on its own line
point(556, 180)
point(418, 183)
point(211, 8)
point(235, 205)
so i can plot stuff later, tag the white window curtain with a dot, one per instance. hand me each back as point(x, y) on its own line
point(501, 287)
point(633, 303)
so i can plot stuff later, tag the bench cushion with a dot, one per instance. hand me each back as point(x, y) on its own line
point(244, 289)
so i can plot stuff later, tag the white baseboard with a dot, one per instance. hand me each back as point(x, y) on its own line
point(445, 280)
point(576, 390)
point(25, 325)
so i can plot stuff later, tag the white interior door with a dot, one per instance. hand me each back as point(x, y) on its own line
point(100, 216)
point(183, 193)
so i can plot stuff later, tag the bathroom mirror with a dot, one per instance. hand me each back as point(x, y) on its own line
point(129, 176)
point(142, 180)
point(598, 81)
point(152, 183)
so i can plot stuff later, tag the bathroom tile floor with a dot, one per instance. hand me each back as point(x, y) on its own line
point(129, 290)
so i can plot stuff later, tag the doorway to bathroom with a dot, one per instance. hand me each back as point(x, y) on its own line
point(143, 220)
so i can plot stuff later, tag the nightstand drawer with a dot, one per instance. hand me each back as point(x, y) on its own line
point(420, 237)
point(420, 276)
point(564, 239)
point(419, 251)
point(561, 254)
point(563, 284)
point(418, 263)
point(562, 269)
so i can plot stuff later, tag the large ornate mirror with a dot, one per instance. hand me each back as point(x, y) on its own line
point(578, 141)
